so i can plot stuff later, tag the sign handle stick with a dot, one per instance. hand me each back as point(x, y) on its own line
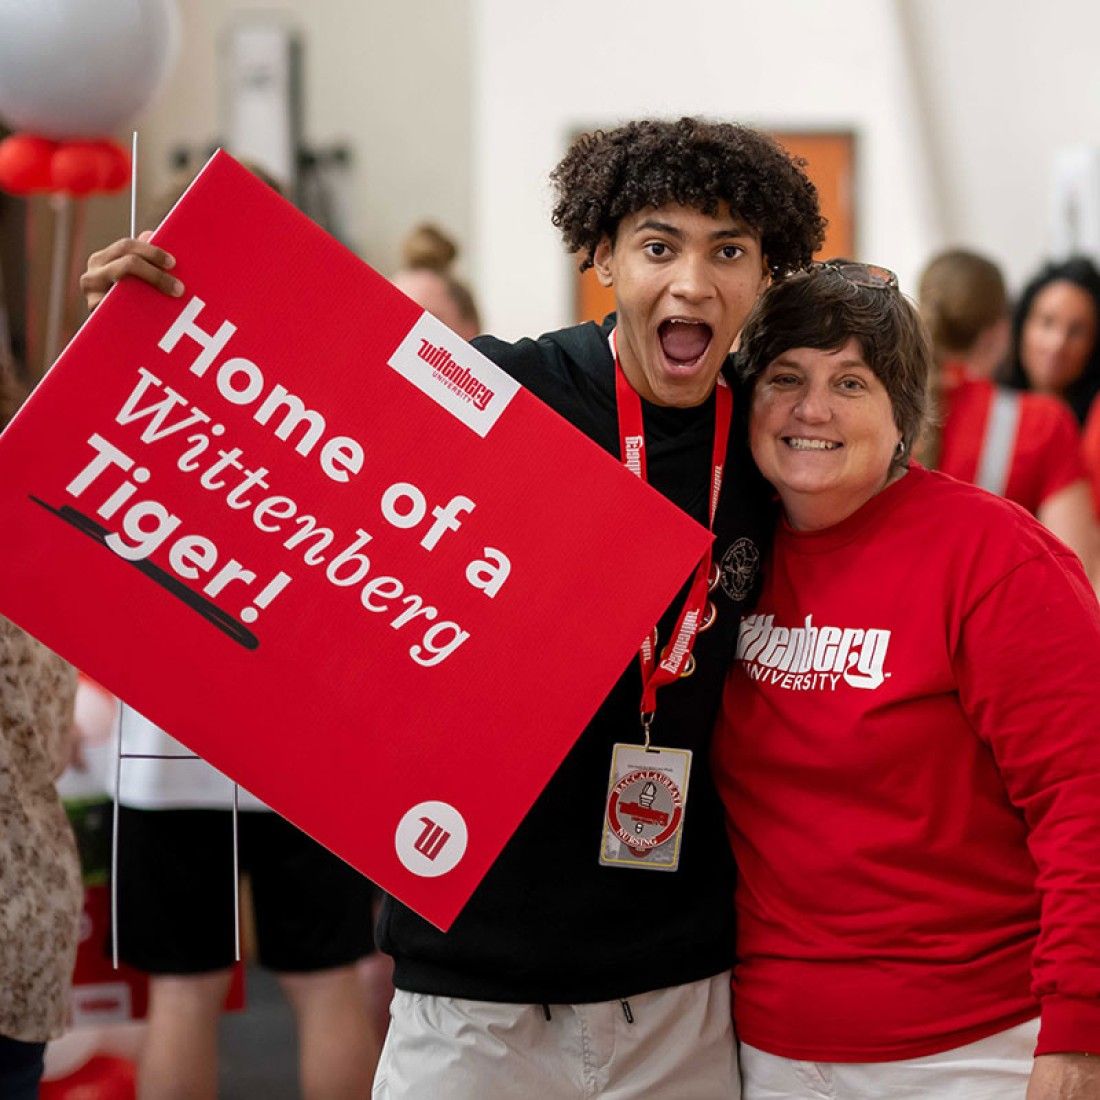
point(114, 835)
point(121, 705)
point(133, 183)
point(236, 877)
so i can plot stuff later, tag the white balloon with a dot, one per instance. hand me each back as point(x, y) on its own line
point(82, 68)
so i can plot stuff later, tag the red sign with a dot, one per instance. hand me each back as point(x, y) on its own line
point(301, 525)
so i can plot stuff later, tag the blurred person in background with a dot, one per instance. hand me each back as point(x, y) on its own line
point(908, 749)
point(429, 255)
point(1023, 446)
point(41, 892)
point(1056, 347)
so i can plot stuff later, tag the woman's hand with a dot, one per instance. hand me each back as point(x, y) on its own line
point(1065, 1077)
point(126, 259)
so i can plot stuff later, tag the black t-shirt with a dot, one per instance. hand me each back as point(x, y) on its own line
point(548, 924)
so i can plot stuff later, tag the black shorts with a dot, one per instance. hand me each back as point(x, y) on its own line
point(175, 893)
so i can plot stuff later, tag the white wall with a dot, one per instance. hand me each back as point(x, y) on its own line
point(458, 109)
point(544, 71)
point(1008, 84)
point(392, 80)
point(960, 107)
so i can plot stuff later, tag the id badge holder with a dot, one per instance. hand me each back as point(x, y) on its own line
point(644, 812)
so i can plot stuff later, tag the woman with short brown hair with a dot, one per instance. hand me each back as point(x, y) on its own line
point(908, 751)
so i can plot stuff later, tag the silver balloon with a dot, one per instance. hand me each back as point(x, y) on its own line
point(82, 68)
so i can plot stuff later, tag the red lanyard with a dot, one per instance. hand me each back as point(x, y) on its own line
point(675, 659)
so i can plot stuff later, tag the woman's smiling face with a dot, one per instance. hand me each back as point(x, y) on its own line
point(823, 433)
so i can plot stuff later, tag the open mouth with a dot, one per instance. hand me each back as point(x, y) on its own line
point(684, 342)
point(801, 443)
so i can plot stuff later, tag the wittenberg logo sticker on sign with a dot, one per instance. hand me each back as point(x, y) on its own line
point(453, 374)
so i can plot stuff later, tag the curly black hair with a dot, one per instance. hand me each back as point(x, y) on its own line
point(608, 175)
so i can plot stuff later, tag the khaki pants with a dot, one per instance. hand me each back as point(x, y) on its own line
point(677, 1045)
point(994, 1068)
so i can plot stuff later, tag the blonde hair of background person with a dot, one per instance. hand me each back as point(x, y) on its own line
point(428, 255)
point(41, 894)
point(964, 305)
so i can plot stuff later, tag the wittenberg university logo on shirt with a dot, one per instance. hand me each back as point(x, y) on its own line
point(812, 658)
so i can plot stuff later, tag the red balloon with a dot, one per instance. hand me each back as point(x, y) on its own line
point(25, 163)
point(118, 173)
point(80, 167)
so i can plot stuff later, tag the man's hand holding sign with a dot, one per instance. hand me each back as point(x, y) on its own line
point(313, 508)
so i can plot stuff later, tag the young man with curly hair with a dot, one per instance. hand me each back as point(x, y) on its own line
point(587, 963)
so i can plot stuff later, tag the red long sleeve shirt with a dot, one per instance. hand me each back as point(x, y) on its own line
point(909, 755)
point(1046, 451)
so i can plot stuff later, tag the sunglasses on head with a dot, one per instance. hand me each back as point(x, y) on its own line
point(866, 275)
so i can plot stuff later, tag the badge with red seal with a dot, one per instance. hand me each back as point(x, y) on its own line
point(645, 808)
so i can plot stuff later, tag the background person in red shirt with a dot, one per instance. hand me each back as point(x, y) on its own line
point(1056, 347)
point(1023, 446)
point(908, 751)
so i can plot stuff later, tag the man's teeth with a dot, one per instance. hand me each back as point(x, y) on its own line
point(811, 444)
